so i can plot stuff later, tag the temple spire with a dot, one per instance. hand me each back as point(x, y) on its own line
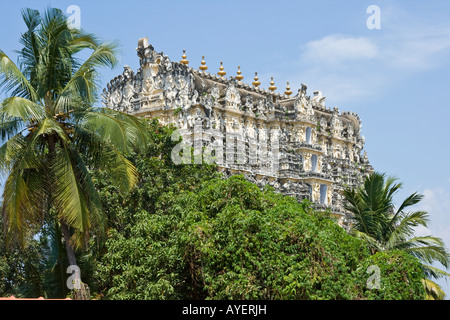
point(272, 85)
point(288, 91)
point(256, 83)
point(184, 61)
point(239, 76)
point(221, 72)
point(203, 67)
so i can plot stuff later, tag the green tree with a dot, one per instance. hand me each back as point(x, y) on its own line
point(183, 234)
point(36, 270)
point(140, 259)
point(385, 227)
point(54, 135)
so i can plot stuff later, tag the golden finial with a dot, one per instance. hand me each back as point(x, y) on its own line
point(239, 77)
point(221, 72)
point(256, 83)
point(272, 87)
point(288, 91)
point(184, 61)
point(203, 67)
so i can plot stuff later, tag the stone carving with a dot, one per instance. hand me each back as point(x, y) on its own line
point(316, 192)
point(350, 131)
point(322, 124)
point(261, 108)
point(232, 97)
point(121, 91)
point(318, 100)
point(336, 124)
point(187, 98)
point(215, 93)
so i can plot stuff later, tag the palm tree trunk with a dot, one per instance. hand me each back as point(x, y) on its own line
point(70, 252)
point(83, 292)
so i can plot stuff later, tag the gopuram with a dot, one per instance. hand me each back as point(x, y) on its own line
point(293, 143)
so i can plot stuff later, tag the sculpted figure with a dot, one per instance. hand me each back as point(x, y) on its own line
point(128, 93)
point(195, 97)
point(329, 197)
point(215, 93)
point(261, 107)
point(316, 192)
point(350, 130)
point(323, 124)
point(232, 97)
point(208, 102)
point(180, 82)
point(148, 86)
point(116, 97)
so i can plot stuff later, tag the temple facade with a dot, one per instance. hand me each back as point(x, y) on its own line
point(293, 143)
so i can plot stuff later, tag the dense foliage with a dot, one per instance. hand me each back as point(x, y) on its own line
point(187, 233)
point(183, 234)
point(385, 227)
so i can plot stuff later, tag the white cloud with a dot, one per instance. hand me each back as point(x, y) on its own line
point(347, 68)
point(338, 48)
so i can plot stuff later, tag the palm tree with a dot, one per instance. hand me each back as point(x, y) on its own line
point(53, 135)
point(384, 227)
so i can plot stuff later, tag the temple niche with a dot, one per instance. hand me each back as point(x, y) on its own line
point(296, 144)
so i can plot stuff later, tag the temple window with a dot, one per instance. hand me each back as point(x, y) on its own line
point(310, 192)
point(308, 134)
point(314, 163)
point(323, 193)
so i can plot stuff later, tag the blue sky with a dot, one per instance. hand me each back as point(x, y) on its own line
point(396, 77)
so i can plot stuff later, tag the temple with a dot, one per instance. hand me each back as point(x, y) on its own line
point(293, 143)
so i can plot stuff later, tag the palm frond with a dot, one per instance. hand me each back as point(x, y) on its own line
point(110, 128)
point(57, 60)
point(21, 108)
point(11, 78)
point(434, 272)
point(29, 55)
point(137, 126)
point(24, 152)
point(427, 248)
point(84, 177)
point(50, 126)
point(68, 196)
point(433, 290)
point(410, 201)
point(10, 153)
point(404, 228)
point(103, 156)
point(83, 82)
point(10, 126)
point(24, 190)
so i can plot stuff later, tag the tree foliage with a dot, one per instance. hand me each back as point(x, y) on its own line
point(186, 233)
point(377, 221)
point(183, 234)
point(52, 135)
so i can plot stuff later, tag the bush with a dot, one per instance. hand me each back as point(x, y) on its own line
point(227, 239)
